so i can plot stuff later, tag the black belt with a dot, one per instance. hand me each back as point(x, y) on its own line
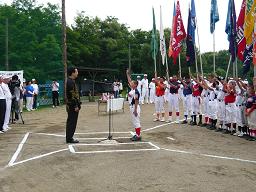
point(211, 99)
point(220, 100)
point(240, 105)
point(159, 95)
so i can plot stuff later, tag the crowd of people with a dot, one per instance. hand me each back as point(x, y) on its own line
point(228, 105)
point(14, 96)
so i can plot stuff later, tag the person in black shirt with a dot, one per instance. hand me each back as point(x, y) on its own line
point(73, 105)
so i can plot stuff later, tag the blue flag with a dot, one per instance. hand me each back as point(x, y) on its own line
point(248, 57)
point(214, 17)
point(231, 29)
point(193, 21)
point(190, 52)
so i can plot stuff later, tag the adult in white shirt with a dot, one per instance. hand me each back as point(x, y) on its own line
point(116, 89)
point(55, 93)
point(36, 91)
point(2, 106)
point(152, 91)
point(8, 99)
point(144, 90)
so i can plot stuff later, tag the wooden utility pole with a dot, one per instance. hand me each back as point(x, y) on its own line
point(7, 46)
point(64, 46)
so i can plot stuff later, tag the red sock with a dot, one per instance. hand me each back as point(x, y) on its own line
point(137, 130)
point(177, 114)
point(170, 113)
point(206, 119)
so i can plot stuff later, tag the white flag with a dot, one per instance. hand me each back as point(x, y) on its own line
point(162, 39)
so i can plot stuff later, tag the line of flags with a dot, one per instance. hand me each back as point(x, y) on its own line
point(241, 33)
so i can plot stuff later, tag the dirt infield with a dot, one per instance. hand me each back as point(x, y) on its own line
point(171, 157)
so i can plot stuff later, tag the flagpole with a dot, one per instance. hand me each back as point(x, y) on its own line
point(200, 56)
point(230, 58)
point(167, 68)
point(179, 66)
point(214, 64)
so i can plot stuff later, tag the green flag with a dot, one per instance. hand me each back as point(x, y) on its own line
point(154, 47)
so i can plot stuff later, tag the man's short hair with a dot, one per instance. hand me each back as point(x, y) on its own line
point(71, 70)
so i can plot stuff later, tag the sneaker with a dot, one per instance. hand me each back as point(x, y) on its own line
point(200, 123)
point(162, 120)
point(184, 122)
point(241, 134)
point(177, 121)
point(136, 138)
point(236, 133)
point(218, 130)
point(156, 119)
point(193, 123)
point(1, 132)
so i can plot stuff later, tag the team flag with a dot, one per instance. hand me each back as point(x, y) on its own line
point(179, 34)
point(172, 30)
point(231, 29)
point(249, 21)
point(254, 42)
point(154, 47)
point(240, 39)
point(214, 15)
point(162, 39)
point(248, 55)
point(190, 52)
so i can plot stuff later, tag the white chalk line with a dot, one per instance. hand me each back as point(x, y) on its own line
point(162, 125)
point(101, 138)
point(72, 149)
point(94, 133)
point(170, 138)
point(38, 157)
point(207, 155)
point(49, 134)
point(20, 146)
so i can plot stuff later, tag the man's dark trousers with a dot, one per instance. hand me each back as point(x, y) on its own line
point(71, 124)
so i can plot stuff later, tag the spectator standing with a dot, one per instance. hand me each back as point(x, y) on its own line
point(2, 106)
point(120, 88)
point(36, 91)
point(29, 96)
point(116, 88)
point(8, 99)
point(55, 93)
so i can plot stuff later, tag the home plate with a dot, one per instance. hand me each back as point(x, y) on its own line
point(112, 148)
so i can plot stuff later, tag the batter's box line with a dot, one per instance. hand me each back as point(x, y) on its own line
point(72, 149)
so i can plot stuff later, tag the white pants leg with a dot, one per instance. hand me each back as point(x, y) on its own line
point(135, 119)
point(187, 104)
point(29, 103)
point(7, 113)
point(152, 96)
point(230, 110)
point(195, 105)
point(221, 111)
point(159, 104)
point(213, 109)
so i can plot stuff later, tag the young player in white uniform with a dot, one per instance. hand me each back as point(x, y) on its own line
point(152, 91)
point(144, 83)
point(133, 98)
point(173, 102)
point(220, 104)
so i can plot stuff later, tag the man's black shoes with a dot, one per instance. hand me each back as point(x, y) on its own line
point(73, 141)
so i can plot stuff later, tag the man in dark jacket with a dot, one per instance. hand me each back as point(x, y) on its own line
point(73, 105)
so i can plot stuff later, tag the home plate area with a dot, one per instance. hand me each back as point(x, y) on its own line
point(34, 146)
